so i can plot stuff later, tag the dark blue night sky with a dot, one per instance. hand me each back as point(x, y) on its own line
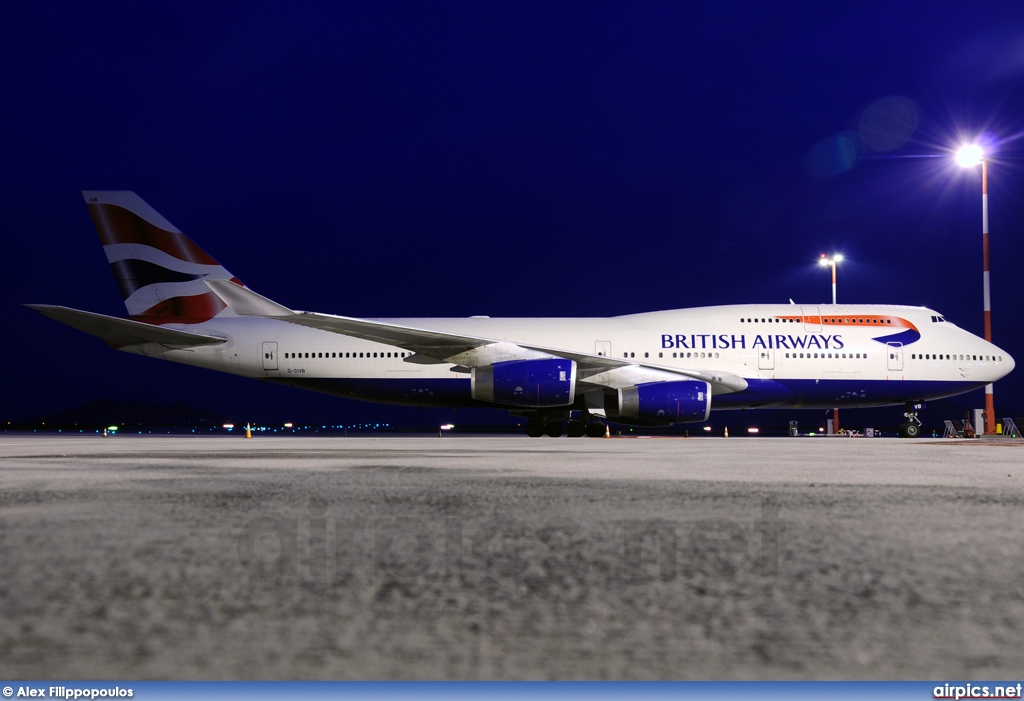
point(508, 159)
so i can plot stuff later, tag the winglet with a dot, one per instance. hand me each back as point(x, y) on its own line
point(245, 302)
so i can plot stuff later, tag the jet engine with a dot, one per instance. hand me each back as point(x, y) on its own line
point(664, 403)
point(545, 382)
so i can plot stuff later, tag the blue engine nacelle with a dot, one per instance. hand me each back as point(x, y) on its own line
point(665, 402)
point(530, 383)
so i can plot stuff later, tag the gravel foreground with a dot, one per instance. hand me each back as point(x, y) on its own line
point(510, 558)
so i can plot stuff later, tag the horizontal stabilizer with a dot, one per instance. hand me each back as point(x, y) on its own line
point(123, 332)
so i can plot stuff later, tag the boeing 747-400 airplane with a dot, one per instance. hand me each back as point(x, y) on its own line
point(650, 369)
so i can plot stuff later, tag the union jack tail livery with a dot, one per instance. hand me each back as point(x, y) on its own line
point(159, 270)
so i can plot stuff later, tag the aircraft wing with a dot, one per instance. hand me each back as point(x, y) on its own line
point(437, 344)
point(443, 347)
point(123, 332)
point(631, 372)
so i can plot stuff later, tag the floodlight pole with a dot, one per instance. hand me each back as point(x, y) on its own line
point(833, 281)
point(990, 408)
point(831, 261)
point(835, 410)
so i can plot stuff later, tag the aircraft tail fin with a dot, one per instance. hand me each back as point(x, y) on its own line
point(159, 270)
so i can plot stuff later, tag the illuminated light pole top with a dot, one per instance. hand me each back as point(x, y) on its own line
point(970, 155)
point(831, 260)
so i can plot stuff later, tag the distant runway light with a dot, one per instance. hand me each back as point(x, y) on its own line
point(753, 430)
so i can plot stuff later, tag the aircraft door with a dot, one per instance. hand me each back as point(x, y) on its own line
point(603, 348)
point(812, 319)
point(895, 351)
point(766, 359)
point(270, 355)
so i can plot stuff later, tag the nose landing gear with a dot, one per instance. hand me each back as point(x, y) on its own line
point(912, 427)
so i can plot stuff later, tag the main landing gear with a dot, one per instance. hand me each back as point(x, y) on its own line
point(551, 424)
point(912, 427)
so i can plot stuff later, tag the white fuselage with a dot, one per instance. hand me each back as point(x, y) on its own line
point(791, 355)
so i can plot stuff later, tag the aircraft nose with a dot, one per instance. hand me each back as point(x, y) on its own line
point(1005, 365)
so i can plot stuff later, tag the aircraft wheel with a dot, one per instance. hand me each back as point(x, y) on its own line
point(534, 429)
point(595, 429)
point(577, 429)
point(910, 430)
point(553, 429)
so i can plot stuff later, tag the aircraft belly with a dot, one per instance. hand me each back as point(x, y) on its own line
point(408, 391)
point(837, 393)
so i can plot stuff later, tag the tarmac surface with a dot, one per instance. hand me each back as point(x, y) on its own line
point(510, 558)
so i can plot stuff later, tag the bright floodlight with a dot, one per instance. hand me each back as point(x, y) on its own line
point(969, 155)
point(837, 257)
point(824, 261)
